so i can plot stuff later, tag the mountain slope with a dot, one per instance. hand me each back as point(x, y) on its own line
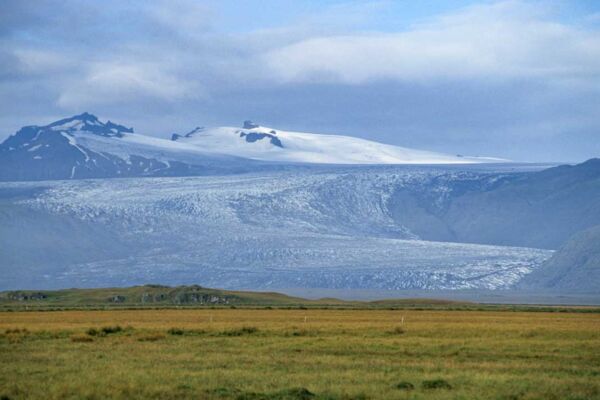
point(84, 147)
point(574, 267)
point(536, 209)
point(262, 143)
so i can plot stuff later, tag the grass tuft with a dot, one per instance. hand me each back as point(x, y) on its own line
point(81, 338)
point(17, 331)
point(150, 337)
point(397, 331)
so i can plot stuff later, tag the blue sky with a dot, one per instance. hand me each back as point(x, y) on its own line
point(515, 79)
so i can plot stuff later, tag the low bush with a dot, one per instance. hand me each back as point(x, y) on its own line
point(175, 331)
point(106, 330)
point(111, 329)
point(93, 332)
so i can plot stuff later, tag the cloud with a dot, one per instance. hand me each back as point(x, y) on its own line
point(115, 82)
point(494, 78)
point(509, 40)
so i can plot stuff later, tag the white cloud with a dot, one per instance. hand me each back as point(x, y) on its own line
point(114, 82)
point(34, 61)
point(498, 41)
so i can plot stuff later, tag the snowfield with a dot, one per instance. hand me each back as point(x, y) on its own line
point(321, 228)
point(268, 144)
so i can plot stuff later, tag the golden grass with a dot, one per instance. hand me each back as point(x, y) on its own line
point(296, 354)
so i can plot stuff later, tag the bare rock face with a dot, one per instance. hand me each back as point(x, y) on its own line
point(250, 125)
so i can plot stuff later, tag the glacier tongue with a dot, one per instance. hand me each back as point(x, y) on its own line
point(326, 228)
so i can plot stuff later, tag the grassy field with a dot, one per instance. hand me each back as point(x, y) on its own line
point(299, 354)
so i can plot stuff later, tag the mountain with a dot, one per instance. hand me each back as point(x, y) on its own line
point(539, 209)
point(574, 267)
point(84, 147)
point(267, 144)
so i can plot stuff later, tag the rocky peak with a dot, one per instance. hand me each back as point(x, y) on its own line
point(250, 125)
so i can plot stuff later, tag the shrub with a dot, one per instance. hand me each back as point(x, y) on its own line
point(111, 329)
point(436, 384)
point(175, 331)
point(81, 338)
point(404, 386)
point(93, 332)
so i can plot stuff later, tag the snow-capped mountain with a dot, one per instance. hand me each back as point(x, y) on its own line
point(84, 147)
point(268, 144)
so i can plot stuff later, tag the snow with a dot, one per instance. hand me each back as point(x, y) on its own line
point(162, 150)
point(34, 148)
point(320, 229)
point(73, 143)
point(68, 126)
point(314, 148)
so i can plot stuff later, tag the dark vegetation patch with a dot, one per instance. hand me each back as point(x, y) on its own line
point(104, 331)
point(404, 385)
point(299, 393)
point(243, 331)
point(436, 384)
point(286, 394)
point(297, 332)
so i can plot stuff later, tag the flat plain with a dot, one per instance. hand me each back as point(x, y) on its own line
point(267, 353)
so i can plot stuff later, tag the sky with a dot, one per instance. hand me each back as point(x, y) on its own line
point(514, 79)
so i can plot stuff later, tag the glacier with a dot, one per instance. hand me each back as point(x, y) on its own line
point(322, 227)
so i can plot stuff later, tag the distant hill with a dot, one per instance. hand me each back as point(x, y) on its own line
point(148, 295)
point(192, 295)
point(575, 267)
